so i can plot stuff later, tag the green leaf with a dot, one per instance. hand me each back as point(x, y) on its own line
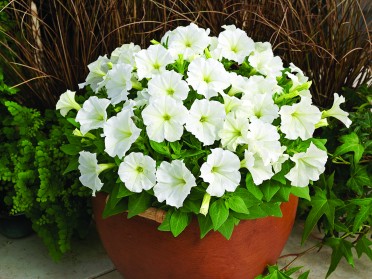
point(71, 149)
point(269, 189)
point(227, 228)
point(253, 188)
point(272, 209)
point(160, 148)
point(219, 213)
point(178, 222)
point(72, 165)
point(138, 203)
point(340, 248)
point(363, 246)
point(191, 206)
point(123, 191)
point(237, 204)
point(176, 147)
point(110, 209)
point(248, 198)
point(205, 224)
point(301, 192)
point(320, 206)
point(73, 122)
point(358, 178)
point(283, 193)
point(165, 225)
point(365, 211)
point(350, 144)
point(304, 275)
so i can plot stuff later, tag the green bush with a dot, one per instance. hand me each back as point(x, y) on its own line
point(32, 180)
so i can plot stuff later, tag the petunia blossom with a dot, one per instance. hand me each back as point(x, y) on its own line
point(336, 112)
point(152, 61)
point(97, 71)
point(188, 41)
point(90, 169)
point(299, 119)
point(233, 132)
point(309, 166)
point(255, 165)
point(205, 120)
point(67, 102)
point(120, 133)
point(93, 114)
point(118, 82)
point(221, 171)
point(137, 171)
point(207, 77)
point(234, 43)
point(168, 83)
point(174, 183)
point(164, 118)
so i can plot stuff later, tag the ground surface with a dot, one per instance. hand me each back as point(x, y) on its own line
point(28, 259)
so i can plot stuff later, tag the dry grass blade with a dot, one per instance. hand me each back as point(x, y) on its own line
point(330, 40)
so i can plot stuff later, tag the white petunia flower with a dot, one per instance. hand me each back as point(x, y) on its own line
point(164, 119)
point(125, 54)
point(264, 61)
point(90, 169)
point(237, 107)
point(168, 83)
point(67, 102)
point(118, 82)
point(261, 85)
point(142, 98)
point(207, 77)
point(263, 138)
point(152, 61)
point(174, 183)
point(137, 171)
point(239, 84)
point(233, 132)
point(234, 43)
point(120, 133)
point(97, 72)
point(263, 108)
point(299, 119)
point(205, 120)
point(93, 114)
point(309, 166)
point(336, 112)
point(188, 41)
point(277, 165)
point(254, 163)
point(221, 171)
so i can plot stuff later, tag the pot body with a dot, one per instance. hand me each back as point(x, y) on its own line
point(140, 251)
point(15, 226)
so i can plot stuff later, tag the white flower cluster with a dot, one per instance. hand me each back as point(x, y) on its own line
point(184, 86)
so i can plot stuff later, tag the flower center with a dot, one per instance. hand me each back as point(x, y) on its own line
point(156, 66)
point(214, 169)
point(207, 79)
point(234, 49)
point(170, 91)
point(203, 119)
point(187, 44)
point(166, 117)
point(139, 169)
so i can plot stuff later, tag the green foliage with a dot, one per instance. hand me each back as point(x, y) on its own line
point(342, 203)
point(273, 272)
point(32, 180)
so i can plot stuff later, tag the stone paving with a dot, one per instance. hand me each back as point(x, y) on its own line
point(28, 259)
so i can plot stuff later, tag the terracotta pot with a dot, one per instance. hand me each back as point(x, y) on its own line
point(140, 251)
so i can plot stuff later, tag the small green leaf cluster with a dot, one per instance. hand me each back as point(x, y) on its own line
point(32, 180)
point(274, 272)
point(341, 204)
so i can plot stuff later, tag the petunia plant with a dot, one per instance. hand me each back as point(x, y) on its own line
point(215, 127)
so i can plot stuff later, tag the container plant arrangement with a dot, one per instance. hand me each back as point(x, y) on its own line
point(196, 126)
